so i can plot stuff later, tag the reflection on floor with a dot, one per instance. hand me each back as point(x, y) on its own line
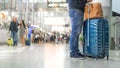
point(51, 56)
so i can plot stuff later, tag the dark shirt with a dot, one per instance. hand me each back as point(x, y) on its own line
point(77, 4)
point(13, 26)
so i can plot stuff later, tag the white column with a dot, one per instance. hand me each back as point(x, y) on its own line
point(27, 11)
point(107, 8)
point(10, 8)
point(33, 11)
point(20, 9)
point(106, 5)
point(107, 11)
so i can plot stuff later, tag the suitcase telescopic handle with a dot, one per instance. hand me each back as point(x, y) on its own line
point(88, 30)
point(9, 34)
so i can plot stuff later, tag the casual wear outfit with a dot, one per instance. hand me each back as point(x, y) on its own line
point(22, 31)
point(14, 32)
point(22, 34)
point(76, 13)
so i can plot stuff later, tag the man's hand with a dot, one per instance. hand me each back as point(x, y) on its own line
point(89, 0)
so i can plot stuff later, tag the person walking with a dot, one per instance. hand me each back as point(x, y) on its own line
point(76, 14)
point(22, 32)
point(14, 31)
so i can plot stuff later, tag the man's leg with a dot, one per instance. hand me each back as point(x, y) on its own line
point(76, 21)
point(16, 38)
point(12, 36)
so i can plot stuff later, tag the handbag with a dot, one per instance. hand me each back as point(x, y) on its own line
point(93, 10)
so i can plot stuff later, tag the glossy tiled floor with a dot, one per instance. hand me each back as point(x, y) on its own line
point(51, 56)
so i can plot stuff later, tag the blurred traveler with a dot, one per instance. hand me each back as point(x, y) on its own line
point(76, 13)
point(52, 38)
point(29, 35)
point(46, 38)
point(67, 38)
point(14, 31)
point(22, 32)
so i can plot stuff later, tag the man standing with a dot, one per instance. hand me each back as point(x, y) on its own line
point(76, 13)
point(14, 31)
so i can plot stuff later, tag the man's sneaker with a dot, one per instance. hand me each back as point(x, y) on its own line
point(81, 55)
point(76, 56)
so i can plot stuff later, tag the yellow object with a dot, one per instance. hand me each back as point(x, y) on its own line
point(10, 42)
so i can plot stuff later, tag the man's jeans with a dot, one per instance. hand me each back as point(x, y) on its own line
point(14, 36)
point(76, 17)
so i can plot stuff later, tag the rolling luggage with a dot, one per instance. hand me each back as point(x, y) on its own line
point(27, 38)
point(27, 42)
point(96, 38)
point(10, 42)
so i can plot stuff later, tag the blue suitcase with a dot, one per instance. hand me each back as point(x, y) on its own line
point(96, 38)
point(27, 42)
